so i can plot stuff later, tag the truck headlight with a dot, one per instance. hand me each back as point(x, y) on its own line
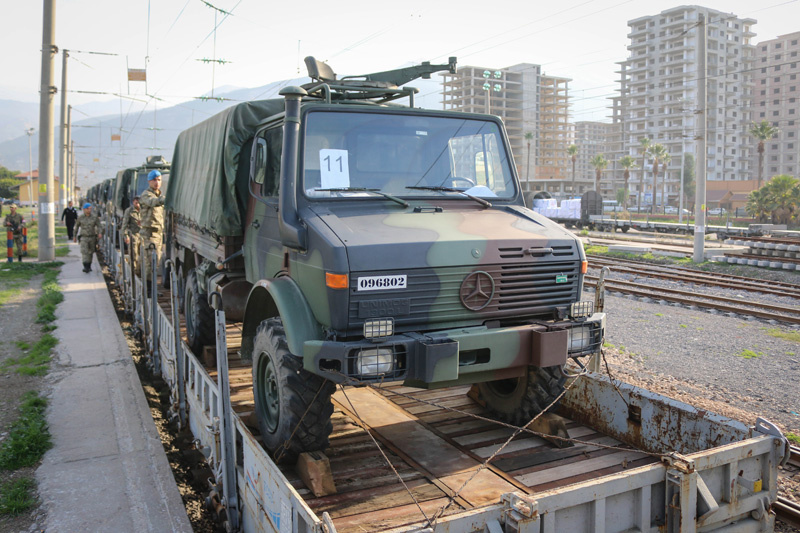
point(374, 362)
point(584, 339)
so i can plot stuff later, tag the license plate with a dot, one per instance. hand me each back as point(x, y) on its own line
point(381, 283)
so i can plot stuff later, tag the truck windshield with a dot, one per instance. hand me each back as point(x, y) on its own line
point(403, 155)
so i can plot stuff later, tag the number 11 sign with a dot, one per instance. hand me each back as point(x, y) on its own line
point(334, 169)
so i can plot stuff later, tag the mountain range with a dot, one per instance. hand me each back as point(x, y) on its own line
point(144, 129)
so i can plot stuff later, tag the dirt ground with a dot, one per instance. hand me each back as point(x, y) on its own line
point(16, 317)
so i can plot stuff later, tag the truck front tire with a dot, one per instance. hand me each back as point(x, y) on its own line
point(518, 400)
point(199, 316)
point(293, 406)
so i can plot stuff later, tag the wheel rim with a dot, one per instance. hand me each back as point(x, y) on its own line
point(268, 397)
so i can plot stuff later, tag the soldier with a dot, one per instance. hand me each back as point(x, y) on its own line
point(130, 228)
point(15, 221)
point(152, 220)
point(90, 229)
point(68, 216)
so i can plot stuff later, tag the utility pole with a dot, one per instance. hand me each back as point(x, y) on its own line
point(62, 153)
point(47, 248)
point(30, 132)
point(68, 154)
point(702, 167)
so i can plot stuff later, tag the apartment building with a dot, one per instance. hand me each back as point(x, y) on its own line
point(595, 138)
point(658, 94)
point(776, 92)
point(528, 102)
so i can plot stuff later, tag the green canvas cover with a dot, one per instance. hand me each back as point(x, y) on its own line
point(203, 178)
point(121, 200)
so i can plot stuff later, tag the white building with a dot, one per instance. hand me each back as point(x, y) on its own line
point(658, 94)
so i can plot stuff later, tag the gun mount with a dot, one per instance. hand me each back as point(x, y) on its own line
point(378, 87)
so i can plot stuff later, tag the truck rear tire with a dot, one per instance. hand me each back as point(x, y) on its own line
point(293, 406)
point(518, 400)
point(200, 329)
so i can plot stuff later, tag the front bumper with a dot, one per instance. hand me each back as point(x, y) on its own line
point(455, 356)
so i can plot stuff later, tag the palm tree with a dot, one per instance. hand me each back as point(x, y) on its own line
point(528, 138)
point(783, 192)
point(572, 151)
point(660, 155)
point(645, 143)
point(763, 132)
point(758, 205)
point(599, 163)
point(627, 162)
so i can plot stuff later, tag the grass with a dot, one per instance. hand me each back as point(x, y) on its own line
point(35, 359)
point(684, 326)
point(50, 298)
point(16, 496)
point(28, 438)
point(749, 354)
point(793, 336)
point(647, 257)
point(794, 439)
point(659, 314)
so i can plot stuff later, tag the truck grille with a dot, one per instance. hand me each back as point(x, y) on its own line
point(433, 296)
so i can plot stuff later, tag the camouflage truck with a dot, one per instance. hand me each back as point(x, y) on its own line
point(359, 240)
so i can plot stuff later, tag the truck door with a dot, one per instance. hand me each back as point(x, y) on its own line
point(263, 249)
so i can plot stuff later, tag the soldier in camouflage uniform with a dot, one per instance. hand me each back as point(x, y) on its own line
point(130, 228)
point(90, 229)
point(15, 222)
point(152, 219)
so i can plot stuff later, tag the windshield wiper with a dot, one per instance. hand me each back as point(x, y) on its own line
point(481, 201)
point(363, 189)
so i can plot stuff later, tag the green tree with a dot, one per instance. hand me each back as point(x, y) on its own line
point(627, 163)
point(7, 181)
point(688, 177)
point(758, 205)
point(572, 151)
point(660, 156)
point(622, 197)
point(528, 138)
point(645, 144)
point(762, 132)
point(783, 192)
point(599, 163)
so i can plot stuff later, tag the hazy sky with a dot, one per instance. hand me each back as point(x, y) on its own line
point(266, 41)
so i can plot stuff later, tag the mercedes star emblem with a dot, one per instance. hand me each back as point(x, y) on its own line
point(477, 290)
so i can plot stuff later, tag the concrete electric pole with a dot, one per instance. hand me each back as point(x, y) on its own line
point(47, 248)
point(63, 186)
point(702, 131)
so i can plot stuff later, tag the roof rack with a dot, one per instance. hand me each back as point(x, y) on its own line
point(378, 87)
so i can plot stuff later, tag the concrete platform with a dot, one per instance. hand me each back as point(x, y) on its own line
point(107, 470)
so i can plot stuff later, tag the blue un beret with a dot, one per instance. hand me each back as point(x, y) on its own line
point(87, 205)
point(153, 175)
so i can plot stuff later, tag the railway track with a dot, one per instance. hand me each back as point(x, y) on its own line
point(688, 275)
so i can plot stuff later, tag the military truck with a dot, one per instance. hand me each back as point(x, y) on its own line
point(361, 240)
point(132, 182)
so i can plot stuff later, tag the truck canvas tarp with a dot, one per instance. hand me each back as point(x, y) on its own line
point(205, 188)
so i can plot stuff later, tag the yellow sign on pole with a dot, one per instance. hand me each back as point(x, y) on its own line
point(42, 189)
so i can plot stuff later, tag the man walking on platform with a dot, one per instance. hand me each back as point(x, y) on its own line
point(15, 222)
point(152, 220)
point(69, 216)
point(90, 229)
